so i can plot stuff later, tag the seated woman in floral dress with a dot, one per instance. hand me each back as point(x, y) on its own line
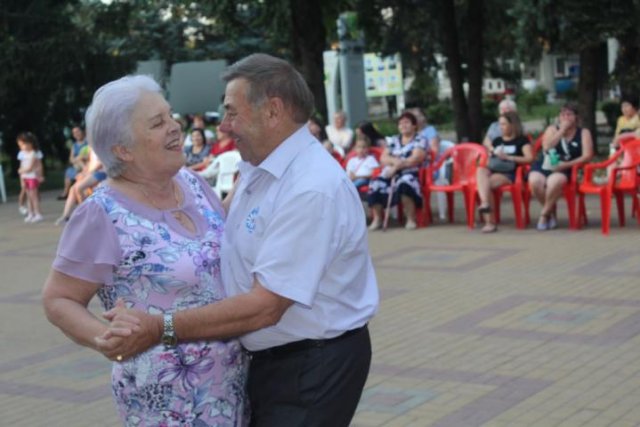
point(159, 229)
point(401, 160)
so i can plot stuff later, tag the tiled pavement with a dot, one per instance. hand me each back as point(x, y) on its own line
point(517, 328)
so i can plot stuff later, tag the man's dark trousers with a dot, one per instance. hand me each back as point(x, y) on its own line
point(313, 383)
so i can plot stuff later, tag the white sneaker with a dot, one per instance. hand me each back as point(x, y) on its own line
point(36, 218)
point(376, 224)
point(23, 210)
point(28, 218)
point(410, 225)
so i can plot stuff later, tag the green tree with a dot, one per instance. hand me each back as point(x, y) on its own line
point(569, 26)
point(420, 29)
point(51, 66)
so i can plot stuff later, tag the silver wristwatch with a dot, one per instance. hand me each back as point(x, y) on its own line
point(169, 337)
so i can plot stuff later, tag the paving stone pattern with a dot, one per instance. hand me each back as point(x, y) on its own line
point(517, 328)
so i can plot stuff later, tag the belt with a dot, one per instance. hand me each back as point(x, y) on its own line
point(296, 346)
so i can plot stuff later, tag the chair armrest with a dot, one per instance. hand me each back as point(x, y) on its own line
point(376, 173)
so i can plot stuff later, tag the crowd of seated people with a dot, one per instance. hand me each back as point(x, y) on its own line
point(394, 180)
point(86, 171)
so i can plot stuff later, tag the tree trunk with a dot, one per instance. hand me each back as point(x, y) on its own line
point(588, 88)
point(476, 68)
point(308, 39)
point(454, 69)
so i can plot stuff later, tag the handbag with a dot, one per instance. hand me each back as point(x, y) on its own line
point(496, 164)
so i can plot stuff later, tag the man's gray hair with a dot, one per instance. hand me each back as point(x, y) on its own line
point(269, 77)
point(508, 105)
point(108, 118)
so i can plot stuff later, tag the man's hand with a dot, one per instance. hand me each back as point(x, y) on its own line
point(130, 333)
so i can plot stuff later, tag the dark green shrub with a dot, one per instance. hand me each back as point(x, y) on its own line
point(439, 113)
point(527, 100)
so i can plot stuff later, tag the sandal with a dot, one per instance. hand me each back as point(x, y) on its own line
point(490, 228)
point(543, 223)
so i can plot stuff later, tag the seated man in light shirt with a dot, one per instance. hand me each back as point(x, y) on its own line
point(494, 131)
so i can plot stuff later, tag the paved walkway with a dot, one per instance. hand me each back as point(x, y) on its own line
point(518, 328)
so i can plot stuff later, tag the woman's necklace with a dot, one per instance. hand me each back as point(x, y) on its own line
point(153, 203)
point(180, 216)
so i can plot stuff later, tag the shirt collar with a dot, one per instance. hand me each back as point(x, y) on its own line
point(280, 158)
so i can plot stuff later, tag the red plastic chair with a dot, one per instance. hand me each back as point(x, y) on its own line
point(516, 189)
point(623, 180)
point(569, 191)
point(466, 157)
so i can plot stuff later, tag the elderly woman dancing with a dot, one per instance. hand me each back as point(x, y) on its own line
point(159, 228)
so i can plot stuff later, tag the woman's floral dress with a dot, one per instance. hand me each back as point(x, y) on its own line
point(157, 266)
point(406, 180)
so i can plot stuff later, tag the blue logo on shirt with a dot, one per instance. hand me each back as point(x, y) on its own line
point(250, 222)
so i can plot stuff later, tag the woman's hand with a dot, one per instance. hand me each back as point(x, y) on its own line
point(501, 154)
point(130, 333)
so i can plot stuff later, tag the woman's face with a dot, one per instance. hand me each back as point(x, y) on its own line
point(361, 148)
point(569, 116)
point(627, 110)
point(157, 142)
point(406, 127)
point(506, 128)
point(196, 138)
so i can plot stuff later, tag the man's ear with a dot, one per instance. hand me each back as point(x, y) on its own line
point(274, 111)
point(122, 153)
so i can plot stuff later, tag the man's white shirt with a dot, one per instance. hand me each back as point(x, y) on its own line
point(296, 224)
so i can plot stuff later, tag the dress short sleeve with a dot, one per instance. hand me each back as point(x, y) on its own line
point(89, 248)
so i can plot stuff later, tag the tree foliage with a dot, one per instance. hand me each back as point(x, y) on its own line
point(51, 66)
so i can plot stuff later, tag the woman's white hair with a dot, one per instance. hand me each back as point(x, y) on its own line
point(108, 118)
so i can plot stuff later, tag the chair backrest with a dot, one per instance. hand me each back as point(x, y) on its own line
point(626, 138)
point(465, 160)
point(537, 145)
point(376, 152)
point(227, 166)
point(630, 158)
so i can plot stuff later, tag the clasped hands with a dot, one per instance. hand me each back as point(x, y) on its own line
point(130, 332)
